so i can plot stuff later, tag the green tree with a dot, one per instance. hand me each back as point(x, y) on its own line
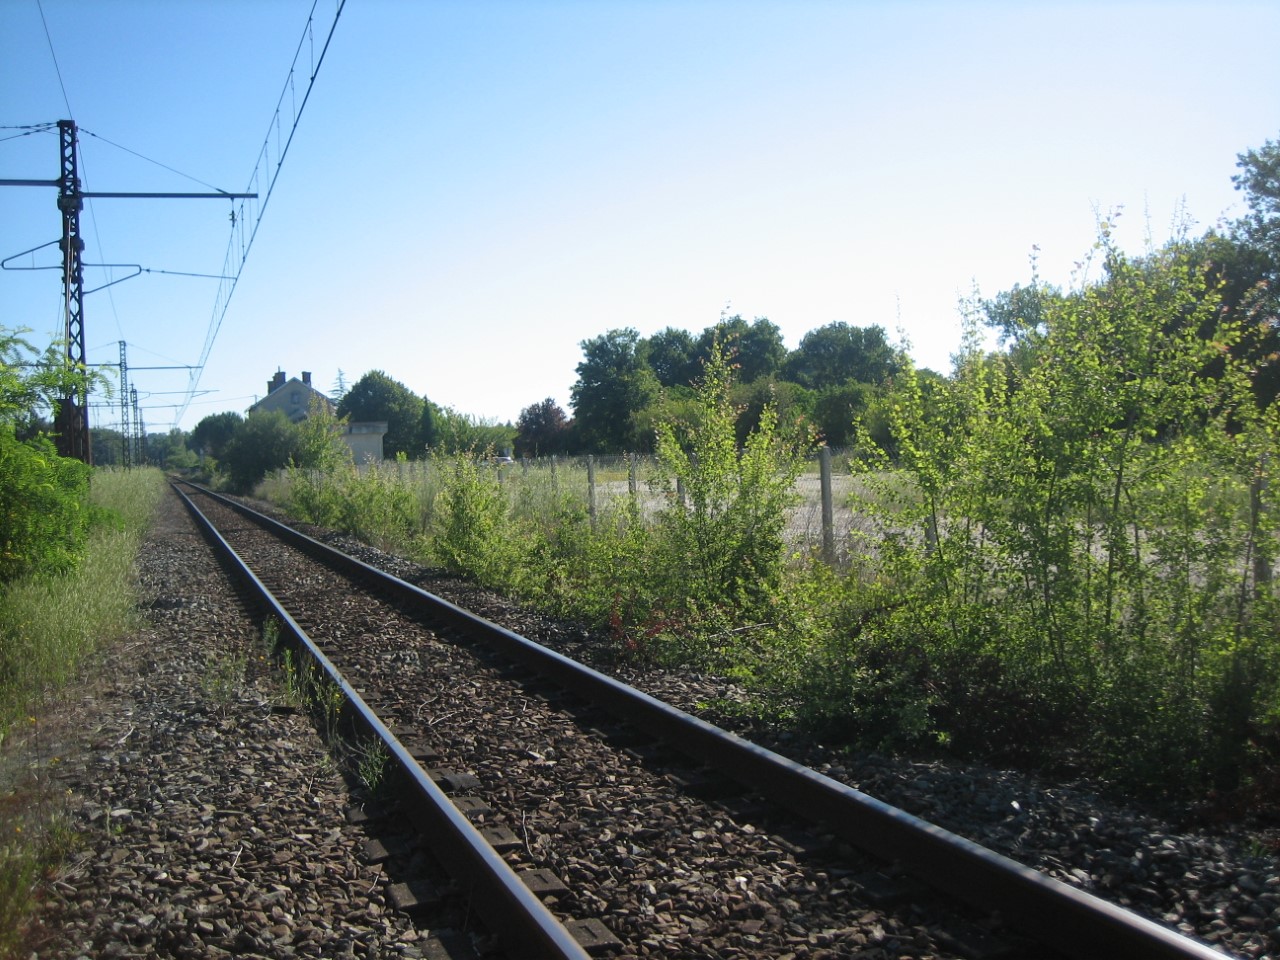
point(108, 446)
point(1083, 545)
point(791, 406)
point(614, 385)
point(672, 355)
point(542, 429)
point(377, 397)
point(756, 348)
point(837, 353)
point(837, 408)
point(1248, 257)
point(465, 433)
point(44, 516)
point(210, 436)
point(722, 547)
point(265, 441)
point(429, 435)
point(169, 450)
point(319, 440)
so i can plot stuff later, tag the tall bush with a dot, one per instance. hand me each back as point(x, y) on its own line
point(44, 514)
point(1074, 548)
point(719, 539)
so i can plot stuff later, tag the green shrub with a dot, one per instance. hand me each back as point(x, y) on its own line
point(1074, 551)
point(44, 515)
point(473, 530)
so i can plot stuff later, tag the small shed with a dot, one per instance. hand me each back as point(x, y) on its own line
point(365, 440)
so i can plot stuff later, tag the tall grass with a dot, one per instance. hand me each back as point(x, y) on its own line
point(48, 625)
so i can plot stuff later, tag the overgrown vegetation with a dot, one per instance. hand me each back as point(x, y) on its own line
point(1068, 552)
point(1069, 541)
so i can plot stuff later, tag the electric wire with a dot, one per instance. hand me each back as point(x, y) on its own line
point(57, 69)
point(238, 246)
point(28, 130)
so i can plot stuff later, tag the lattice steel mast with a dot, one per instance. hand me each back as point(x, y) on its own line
point(71, 418)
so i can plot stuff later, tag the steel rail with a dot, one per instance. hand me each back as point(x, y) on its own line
point(1072, 921)
point(514, 914)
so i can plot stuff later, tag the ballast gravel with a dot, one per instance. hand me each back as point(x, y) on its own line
point(209, 822)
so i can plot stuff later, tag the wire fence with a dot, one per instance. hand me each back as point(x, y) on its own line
point(822, 520)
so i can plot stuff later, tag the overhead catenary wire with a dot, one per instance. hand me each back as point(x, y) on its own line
point(263, 172)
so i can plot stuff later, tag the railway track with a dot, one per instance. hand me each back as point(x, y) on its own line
point(577, 816)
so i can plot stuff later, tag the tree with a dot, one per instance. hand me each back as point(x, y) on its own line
point(210, 436)
point(756, 349)
point(1259, 179)
point(542, 430)
point(720, 537)
point(791, 405)
point(837, 409)
point(833, 355)
point(672, 356)
point(265, 441)
point(429, 434)
point(614, 385)
point(169, 450)
point(377, 397)
point(1250, 262)
point(464, 433)
point(44, 517)
point(108, 446)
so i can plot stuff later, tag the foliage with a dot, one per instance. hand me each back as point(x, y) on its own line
point(1072, 551)
point(44, 517)
point(108, 446)
point(614, 385)
point(672, 355)
point(318, 442)
point(31, 388)
point(542, 430)
point(756, 347)
point(429, 426)
point(719, 539)
point(791, 405)
point(266, 441)
point(461, 433)
point(832, 356)
point(474, 532)
point(377, 397)
point(373, 503)
point(210, 436)
point(169, 451)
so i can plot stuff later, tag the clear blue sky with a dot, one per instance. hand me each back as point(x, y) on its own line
point(477, 187)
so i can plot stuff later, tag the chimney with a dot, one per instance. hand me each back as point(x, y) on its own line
point(276, 382)
point(306, 377)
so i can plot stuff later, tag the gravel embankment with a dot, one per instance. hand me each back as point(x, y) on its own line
point(210, 824)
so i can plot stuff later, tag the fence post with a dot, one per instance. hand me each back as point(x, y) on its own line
point(828, 508)
point(591, 488)
point(1261, 558)
point(632, 486)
